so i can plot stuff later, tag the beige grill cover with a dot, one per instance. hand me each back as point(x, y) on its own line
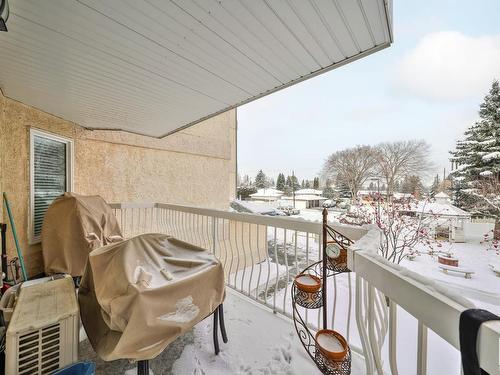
point(139, 295)
point(73, 226)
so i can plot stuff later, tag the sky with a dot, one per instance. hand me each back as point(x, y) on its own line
point(427, 85)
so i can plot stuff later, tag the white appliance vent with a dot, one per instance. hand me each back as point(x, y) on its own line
point(43, 333)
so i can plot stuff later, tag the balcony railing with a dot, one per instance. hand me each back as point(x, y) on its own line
point(262, 254)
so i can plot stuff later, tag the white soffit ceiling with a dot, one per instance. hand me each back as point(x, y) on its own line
point(154, 66)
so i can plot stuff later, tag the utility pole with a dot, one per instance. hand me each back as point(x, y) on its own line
point(293, 188)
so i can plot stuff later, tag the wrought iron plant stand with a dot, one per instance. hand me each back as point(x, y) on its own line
point(333, 262)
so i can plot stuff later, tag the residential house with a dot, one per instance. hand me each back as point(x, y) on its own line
point(268, 195)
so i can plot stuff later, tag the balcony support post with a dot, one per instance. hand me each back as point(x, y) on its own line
point(325, 279)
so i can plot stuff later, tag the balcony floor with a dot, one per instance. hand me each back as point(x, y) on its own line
point(260, 342)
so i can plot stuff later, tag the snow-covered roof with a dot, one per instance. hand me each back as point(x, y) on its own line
point(438, 209)
point(370, 192)
point(402, 195)
point(305, 198)
point(267, 193)
point(442, 195)
point(308, 192)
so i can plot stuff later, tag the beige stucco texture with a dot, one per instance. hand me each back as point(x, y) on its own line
point(195, 166)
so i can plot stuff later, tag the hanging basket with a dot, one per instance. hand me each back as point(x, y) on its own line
point(333, 355)
point(308, 291)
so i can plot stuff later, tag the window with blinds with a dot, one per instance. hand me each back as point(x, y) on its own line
point(50, 175)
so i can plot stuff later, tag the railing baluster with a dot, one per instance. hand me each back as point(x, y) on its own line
point(393, 324)
point(287, 270)
point(371, 330)
point(214, 236)
point(277, 269)
point(349, 306)
point(260, 264)
point(225, 246)
point(232, 255)
point(360, 288)
point(151, 227)
point(244, 254)
point(268, 264)
point(251, 257)
point(237, 248)
point(334, 299)
point(421, 349)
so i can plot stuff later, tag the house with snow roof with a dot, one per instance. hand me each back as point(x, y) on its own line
point(267, 195)
point(446, 220)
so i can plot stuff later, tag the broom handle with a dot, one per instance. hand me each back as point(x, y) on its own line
point(14, 233)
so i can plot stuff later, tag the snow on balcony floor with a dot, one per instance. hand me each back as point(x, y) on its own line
point(260, 342)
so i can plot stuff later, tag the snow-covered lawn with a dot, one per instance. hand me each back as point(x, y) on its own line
point(484, 286)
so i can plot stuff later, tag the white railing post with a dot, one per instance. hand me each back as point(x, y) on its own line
point(393, 324)
point(422, 349)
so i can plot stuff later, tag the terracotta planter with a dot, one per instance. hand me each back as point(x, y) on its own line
point(332, 345)
point(308, 283)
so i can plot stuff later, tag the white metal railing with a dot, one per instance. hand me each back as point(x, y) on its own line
point(382, 288)
point(262, 254)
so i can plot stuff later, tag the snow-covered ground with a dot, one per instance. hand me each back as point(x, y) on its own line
point(484, 286)
point(483, 289)
point(260, 342)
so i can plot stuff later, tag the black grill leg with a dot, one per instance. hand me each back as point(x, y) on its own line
point(143, 367)
point(221, 321)
point(216, 333)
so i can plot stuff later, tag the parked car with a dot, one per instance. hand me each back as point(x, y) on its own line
point(276, 212)
point(289, 210)
point(328, 203)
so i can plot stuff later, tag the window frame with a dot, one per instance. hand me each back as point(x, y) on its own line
point(32, 239)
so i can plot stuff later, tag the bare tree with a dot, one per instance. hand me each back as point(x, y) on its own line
point(352, 167)
point(396, 160)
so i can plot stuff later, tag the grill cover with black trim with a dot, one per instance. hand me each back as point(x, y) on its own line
point(139, 295)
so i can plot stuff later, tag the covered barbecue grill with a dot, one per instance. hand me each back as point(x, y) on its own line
point(140, 294)
point(73, 226)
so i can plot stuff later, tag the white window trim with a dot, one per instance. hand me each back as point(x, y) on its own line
point(32, 239)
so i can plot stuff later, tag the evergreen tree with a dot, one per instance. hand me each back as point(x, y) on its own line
point(307, 185)
point(371, 186)
point(476, 160)
point(280, 182)
point(303, 184)
point(316, 183)
point(243, 192)
point(328, 192)
point(261, 180)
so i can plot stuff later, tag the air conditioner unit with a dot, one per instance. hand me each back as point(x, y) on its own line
point(42, 335)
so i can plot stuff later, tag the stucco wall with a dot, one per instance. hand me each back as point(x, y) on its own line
point(196, 166)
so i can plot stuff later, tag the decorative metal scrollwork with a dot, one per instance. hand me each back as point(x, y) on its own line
point(325, 268)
